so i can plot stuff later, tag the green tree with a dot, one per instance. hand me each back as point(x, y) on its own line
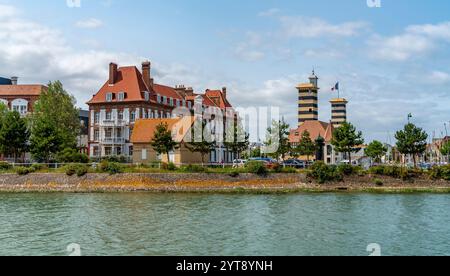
point(56, 117)
point(411, 140)
point(346, 138)
point(376, 150)
point(163, 142)
point(277, 141)
point(14, 135)
point(306, 147)
point(445, 149)
point(200, 140)
point(236, 140)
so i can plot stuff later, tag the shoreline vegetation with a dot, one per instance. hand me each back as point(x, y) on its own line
point(320, 178)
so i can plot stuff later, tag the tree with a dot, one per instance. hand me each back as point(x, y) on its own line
point(346, 138)
point(306, 147)
point(200, 140)
point(163, 142)
point(55, 122)
point(445, 149)
point(411, 140)
point(236, 140)
point(376, 150)
point(14, 135)
point(277, 140)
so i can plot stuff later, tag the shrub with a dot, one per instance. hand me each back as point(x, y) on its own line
point(111, 167)
point(392, 171)
point(324, 173)
point(81, 170)
point(195, 169)
point(23, 170)
point(346, 169)
point(277, 168)
point(234, 174)
point(70, 170)
point(78, 169)
point(256, 167)
point(38, 167)
point(70, 155)
point(115, 159)
point(440, 172)
point(378, 182)
point(289, 170)
point(168, 167)
point(4, 166)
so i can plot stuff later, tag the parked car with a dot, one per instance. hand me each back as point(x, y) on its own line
point(269, 162)
point(294, 163)
point(239, 163)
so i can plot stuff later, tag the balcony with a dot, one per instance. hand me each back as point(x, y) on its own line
point(113, 141)
point(113, 123)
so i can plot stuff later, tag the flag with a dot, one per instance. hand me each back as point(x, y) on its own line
point(336, 87)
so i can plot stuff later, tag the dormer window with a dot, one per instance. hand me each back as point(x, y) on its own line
point(109, 97)
point(158, 98)
point(146, 96)
point(171, 102)
point(121, 96)
point(184, 103)
point(189, 105)
point(164, 100)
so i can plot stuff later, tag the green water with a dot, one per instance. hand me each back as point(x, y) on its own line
point(149, 224)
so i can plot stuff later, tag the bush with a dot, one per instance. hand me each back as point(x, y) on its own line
point(23, 170)
point(115, 159)
point(38, 167)
point(289, 170)
point(392, 171)
point(78, 169)
point(195, 169)
point(256, 167)
point(378, 182)
point(111, 167)
point(168, 167)
point(72, 156)
point(4, 166)
point(277, 168)
point(346, 169)
point(234, 174)
point(440, 172)
point(324, 173)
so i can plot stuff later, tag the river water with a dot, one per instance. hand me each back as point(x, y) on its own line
point(185, 224)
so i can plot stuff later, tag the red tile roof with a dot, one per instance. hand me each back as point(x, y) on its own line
point(167, 91)
point(144, 129)
point(21, 90)
point(315, 129)
point(223, 102)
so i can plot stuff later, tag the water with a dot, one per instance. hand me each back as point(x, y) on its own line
point(181, 224)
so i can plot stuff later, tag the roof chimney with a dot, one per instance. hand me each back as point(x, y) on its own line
point(14, 80)
point(189, 91)
point(112, 73)
point(146, 75)
point(181, 89)
point(224, 92)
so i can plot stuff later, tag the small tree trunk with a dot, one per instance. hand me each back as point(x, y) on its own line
point(350, 158)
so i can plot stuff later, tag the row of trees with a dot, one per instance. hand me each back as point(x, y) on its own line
point(201, 140)
point(49, 133)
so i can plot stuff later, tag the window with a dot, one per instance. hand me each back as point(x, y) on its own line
point(108, 151)
point(121, 96)
point(108, 115)
point(109, 97)
point(20, 105)
point(144, 154)
point(158, 98)
point(96, 135)
point(108, 133)
point(189, 105)
point(171, 102)
point(96, 117)
point(147, 96)
point(96, 151)
point(120, 115)
point(164, 100)
point(118, 150)
point(184, 103)
point(133, 116)
point(130, 150)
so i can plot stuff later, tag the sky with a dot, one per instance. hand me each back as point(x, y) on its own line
point(390, 60)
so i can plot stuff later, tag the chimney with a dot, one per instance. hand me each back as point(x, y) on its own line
point(14, 80)
point(224, 92)
point(181, 89)
point(112, 73)
point(146, 67)
point(189, 91)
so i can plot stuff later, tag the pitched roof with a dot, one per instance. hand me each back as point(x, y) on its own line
point(144, 129)
point(223, 103)
point(129, 80)
point(22, 90)
point(315, 129)
point(167, 91)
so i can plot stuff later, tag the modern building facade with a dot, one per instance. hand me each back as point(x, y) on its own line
point(130, 95)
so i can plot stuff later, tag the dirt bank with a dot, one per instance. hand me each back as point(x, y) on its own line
point(210, 183)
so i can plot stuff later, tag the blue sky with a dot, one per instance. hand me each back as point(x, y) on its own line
point(390, 61)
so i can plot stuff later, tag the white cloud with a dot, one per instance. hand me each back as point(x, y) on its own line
point(7, 11)
point(306, 27)
point(439, 77)
point(270, 12)
point(250, 49)
point(91, 23)
point(416, 41)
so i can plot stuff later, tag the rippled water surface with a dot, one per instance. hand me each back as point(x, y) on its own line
point(152, 224)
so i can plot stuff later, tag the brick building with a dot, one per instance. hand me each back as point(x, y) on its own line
point(19, 97)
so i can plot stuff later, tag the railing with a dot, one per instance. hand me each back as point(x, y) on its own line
point(111, 140)
point(113, 123)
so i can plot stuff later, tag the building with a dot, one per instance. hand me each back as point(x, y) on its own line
point(308, 120)
point(144, 131)
point(130, 95)
point(83, 137)
point(308, 97)
point(5, 81)
point(338, 111)
point(20, 97)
